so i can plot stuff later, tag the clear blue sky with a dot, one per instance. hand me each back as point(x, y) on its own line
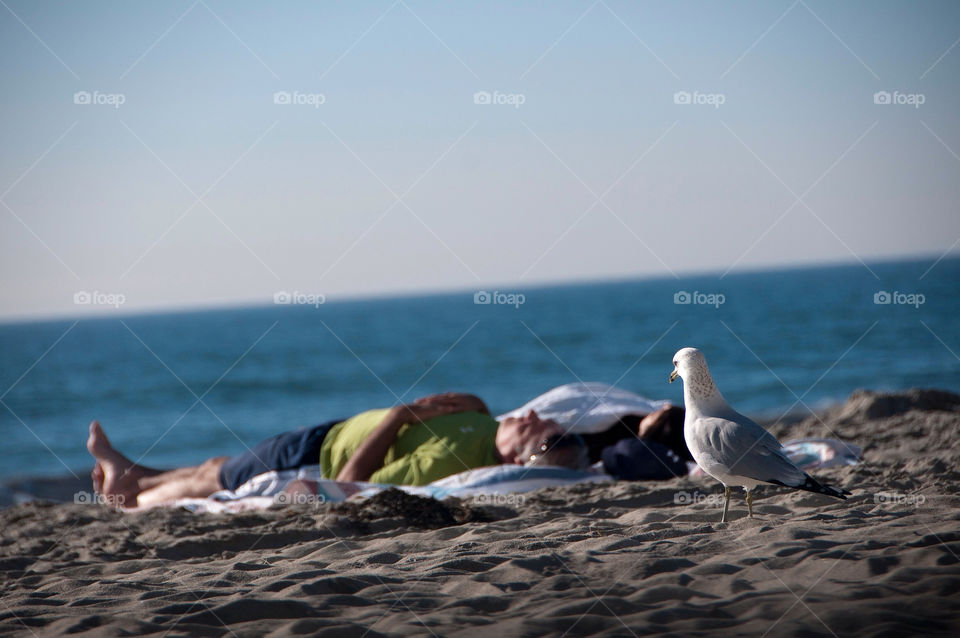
point(201, 190)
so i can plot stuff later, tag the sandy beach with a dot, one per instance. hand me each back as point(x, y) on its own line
point(613, 559)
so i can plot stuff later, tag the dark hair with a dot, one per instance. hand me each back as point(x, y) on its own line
point(566, 450)
point(670, 433)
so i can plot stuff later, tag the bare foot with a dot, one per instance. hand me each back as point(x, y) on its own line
point(299, 492)
point(97, 476)
point(115, 476)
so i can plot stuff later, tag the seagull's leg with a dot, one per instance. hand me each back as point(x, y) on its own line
point(750, 503)
point(726, 503)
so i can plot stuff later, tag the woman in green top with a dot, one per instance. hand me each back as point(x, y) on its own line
point(412, 444)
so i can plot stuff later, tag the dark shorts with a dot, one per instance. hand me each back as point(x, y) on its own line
point(287, 451)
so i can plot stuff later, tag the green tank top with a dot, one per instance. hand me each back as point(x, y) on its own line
point(421, 453)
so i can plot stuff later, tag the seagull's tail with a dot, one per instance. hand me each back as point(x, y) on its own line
point(811, 485)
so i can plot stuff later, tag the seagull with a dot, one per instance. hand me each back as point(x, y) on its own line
point(727, 445)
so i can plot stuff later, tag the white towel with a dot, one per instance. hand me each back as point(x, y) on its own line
point(587, 407)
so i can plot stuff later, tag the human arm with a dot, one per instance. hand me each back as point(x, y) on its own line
point(369, 456)
point(453, 402)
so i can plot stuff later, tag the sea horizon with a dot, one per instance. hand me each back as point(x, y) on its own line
point(99, 312)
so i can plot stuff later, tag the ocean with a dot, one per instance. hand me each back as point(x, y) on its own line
point(173, 389)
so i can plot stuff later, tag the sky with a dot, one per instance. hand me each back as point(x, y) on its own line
point(205, 153)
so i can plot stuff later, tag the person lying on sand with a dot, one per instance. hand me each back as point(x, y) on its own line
point(412, 444)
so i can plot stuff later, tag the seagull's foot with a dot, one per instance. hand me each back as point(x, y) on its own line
point(726, 503)
point(749, 504)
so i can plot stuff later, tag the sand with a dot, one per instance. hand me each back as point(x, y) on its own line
point(618, 559)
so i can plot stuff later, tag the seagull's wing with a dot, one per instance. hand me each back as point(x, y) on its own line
point(747, 449)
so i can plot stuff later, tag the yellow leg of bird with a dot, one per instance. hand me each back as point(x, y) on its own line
point(726, 503)
point(750, 504)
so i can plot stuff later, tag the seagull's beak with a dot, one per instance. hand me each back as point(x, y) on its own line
point(673, 376)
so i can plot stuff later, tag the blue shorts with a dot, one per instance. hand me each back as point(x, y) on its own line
point(287, 451)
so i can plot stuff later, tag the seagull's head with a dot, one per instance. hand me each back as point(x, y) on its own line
point(685, 362)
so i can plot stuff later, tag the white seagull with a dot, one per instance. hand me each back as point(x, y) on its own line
point(727, 445)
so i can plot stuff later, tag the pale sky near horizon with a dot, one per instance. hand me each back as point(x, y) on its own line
point(200, 189)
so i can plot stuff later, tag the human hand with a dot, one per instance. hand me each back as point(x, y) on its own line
point(652, 425)
point(447, 403)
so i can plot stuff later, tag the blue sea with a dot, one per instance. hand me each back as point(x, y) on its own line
point(174, 389)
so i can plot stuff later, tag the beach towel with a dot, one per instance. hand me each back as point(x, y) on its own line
point(267, 489)
point(586, 408)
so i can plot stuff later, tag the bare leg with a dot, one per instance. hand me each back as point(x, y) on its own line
point(188, 482)
point(726, 503)
point(129, 484)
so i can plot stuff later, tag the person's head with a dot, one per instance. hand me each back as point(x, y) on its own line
point(564, 450)
point(520, 436)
